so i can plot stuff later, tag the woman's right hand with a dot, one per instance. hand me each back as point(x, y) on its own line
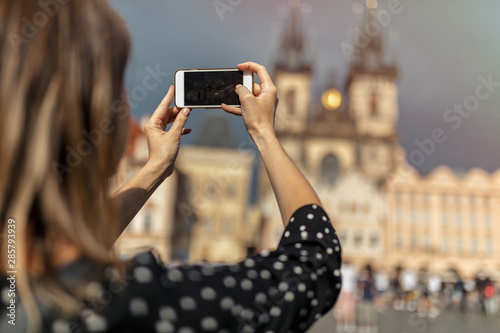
point(258, 109)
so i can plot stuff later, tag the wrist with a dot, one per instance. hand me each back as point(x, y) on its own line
point(262, 136)
point(155, 170)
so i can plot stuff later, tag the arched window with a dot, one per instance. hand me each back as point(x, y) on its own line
point(330, 170)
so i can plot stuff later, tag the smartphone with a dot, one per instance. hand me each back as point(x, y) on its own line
point(209, 88)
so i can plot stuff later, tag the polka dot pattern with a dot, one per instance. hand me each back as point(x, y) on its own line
point(299, 280)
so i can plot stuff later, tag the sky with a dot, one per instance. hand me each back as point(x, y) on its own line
point(445, 50)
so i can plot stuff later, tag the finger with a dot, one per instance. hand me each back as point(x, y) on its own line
point(185, 131)
point(256, 89)
point(172, 113)
point(231, 109)
point(161, 112)
point(243, 92)
point(261, 72)
point(180, 121)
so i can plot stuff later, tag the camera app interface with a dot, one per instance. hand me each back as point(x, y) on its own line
point(212, 88)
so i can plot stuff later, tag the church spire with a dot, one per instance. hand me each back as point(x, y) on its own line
point(369, 50)
point(370, 45)
point(292, 50)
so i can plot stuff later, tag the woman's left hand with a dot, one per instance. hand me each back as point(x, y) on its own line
point(163, 146)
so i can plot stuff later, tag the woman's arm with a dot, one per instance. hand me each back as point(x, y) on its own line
point(163, 147)
point(258, 109)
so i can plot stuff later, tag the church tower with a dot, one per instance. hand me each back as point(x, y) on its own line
point(372, 91)
point(293, 76)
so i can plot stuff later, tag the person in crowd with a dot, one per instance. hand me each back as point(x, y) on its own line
point(367, 314)
point(345, 310)
point(64, 122)
point(398, 293)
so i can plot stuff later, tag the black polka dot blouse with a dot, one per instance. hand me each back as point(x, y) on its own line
point(285, 290)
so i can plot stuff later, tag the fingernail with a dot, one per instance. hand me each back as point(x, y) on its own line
point(186, 111)
point(238, 85)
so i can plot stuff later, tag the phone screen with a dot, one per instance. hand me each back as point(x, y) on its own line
point(212, 88)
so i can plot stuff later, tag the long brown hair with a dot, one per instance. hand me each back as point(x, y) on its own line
point(61, 100)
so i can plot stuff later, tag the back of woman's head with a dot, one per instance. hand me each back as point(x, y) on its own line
point(62, 116)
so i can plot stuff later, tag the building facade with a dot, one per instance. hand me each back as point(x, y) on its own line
point(386, 213)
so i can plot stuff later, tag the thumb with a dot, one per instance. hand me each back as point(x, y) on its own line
point(243, 92)
point(180, 121)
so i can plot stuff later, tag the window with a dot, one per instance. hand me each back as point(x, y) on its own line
point(487, 220)
point(458, 219)
point(227, 226)
point(374, 240)
point(398, 196)
point(427, 243)
point(443, 199)
point(472, 200)
point(425, 197)
point(457, 200)
point(459, 245)
point(343, 237)
point(399, 216)
point(413, 243)
point(290, 101)
point(489, 246)
point(148, 216)
point(427, 217)
point(444, 245)
point(330, 170)
point(358, 239)
point(413, 217)
point(398, 242)
point(473, 246)
point(210, 190)
point(473, 219)
point(444, 218)
point(373, 104)
point(207, 225)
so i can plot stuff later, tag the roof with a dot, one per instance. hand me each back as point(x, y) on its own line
point(134, 132)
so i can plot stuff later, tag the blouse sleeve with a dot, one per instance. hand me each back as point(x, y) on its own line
point(285, 290)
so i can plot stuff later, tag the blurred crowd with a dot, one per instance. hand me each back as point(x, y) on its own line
point(367, 293)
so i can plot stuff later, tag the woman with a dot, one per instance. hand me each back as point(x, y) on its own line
point(63, 123)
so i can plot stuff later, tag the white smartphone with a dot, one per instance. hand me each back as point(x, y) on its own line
point(209, 88)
